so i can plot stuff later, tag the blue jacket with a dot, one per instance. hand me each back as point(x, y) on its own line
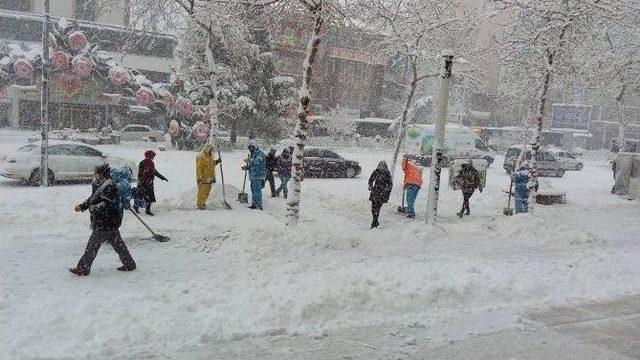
point(257, 165)
point(520, 179)
point(122, 179)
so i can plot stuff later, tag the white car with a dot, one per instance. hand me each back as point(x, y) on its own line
point(141, 133)
point(568, 160)
point(67, 161)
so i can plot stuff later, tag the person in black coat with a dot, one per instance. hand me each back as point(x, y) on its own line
point(380, 185)
point(106, 217)
point(272, 163)
point(284, 172)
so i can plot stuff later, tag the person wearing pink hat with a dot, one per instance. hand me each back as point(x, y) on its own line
point(146, 174)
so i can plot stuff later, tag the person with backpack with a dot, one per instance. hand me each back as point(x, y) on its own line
point(272, 163)
point(122, 178)
point(412, 183)
point(257, 168)
point(146, 174)
point(205, 174)
point(380, 185)
point(467, 180)
point(283, 168)
point(105, 210)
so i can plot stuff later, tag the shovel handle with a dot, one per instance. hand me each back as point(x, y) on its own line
point(143, 223)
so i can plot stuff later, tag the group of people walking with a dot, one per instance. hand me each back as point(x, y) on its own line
point(468, 180)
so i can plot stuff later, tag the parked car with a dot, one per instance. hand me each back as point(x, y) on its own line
point(67, 161)
point(326, 163)
point(568, 160)
point(141, 133)
point(548, 164)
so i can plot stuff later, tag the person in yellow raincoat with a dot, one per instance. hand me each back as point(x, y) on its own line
point(205, 174)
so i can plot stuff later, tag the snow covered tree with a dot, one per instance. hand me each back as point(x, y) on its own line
point(537, 47)
point(416, 38)
point(315, 7)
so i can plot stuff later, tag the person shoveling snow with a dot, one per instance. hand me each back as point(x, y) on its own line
point(205, 174)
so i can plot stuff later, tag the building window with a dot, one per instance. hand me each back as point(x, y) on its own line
point(85, 10)
point(15, 5)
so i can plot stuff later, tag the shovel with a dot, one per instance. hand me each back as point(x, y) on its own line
point(243, 197)
point(401, 209)
point(157, 237)
point(508, 211)
point(224, 196)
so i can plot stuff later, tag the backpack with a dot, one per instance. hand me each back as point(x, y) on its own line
point(122, 178)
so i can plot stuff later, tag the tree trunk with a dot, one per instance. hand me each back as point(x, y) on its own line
point(537, 141)
point(400, 135)
point(302, 131)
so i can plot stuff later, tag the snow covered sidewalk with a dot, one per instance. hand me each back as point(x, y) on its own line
point(229, 275)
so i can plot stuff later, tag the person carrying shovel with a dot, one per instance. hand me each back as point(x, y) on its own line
point(257, 168)
point(205, 174)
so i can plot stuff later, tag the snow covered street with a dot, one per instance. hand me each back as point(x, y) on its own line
point(228, 276)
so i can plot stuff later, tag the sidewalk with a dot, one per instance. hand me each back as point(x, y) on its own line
point(593, 331)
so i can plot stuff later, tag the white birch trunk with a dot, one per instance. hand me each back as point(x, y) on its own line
point(402, 130)
point(302, 131)
point(537, 140)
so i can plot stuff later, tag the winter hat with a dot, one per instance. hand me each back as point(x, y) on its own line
point(207, 147)
point(103, 170)
point(149, 154)
point(252, 143)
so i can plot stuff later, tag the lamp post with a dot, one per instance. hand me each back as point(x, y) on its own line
point(44, 99)
point(441, 119)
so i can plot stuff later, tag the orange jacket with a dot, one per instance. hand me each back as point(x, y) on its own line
point(412, 173)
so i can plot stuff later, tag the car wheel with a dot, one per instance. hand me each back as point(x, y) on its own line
point(350, 172)
point(34, 179)
point(579, 166)
point(152, 139)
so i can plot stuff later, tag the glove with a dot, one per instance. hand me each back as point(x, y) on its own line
point(165, 179)
point(214, 181)
point(370, 188)
point(245, 168)
point(480, 188)
point(219, 161)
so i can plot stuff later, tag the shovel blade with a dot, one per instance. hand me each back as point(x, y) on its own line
point(161, 238)
point(401, 209)
point(507, 211)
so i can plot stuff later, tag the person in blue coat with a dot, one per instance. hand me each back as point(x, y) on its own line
point(257, 168)
point(520, 180)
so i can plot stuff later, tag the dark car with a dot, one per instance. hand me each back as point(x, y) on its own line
point(326, 163)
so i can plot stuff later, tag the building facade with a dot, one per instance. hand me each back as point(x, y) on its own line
point(151, 54)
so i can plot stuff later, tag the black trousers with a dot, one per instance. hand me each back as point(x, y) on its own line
point(375, 210)
point(466, 195)
point(272, 183)
point(95, 241)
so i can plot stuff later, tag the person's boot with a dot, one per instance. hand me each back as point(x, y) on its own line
point(375, 223)
point(468, 212)
point(460, 214)
point(148, 211)
point(253, 207)
point(126, 268)
point(79, 272)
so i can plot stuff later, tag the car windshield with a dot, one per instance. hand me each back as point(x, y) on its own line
point(513, 153)
point(28, 148)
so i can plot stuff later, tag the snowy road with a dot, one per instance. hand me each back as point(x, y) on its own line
point(228, 276)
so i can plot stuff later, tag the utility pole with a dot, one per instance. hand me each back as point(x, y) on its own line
point(44, 99)
point(441, 119)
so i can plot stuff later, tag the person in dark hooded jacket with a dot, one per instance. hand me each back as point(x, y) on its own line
point(146, 174)
point(380, 185)
point(106, 217)
point(284, 172)
point(468, 180)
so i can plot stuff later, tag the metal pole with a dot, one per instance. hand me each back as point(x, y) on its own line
point(44, 99)
point(441, 119)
